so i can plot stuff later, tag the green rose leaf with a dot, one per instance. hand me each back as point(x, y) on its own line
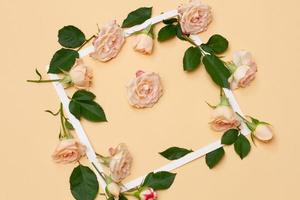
point(217, 70)
point(170, 21)
point(230, 136)
point(217, 43)
point(166, 33)
point(191, 59)
point(214, 157)
point(63, 59)
point(83, 183)
point(122, 197)
point(242, 146)
point(137, 16)
point(71, 37)
point(69, 125)
point(83, 105)
point(179, 33)
point(174, 153)
point(159, 180)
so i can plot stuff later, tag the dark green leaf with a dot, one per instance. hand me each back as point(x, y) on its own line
point(230, 136)
point(217, 43)
point(75, 109)
point(174, 153)
point(69, 125)
point(83, 183)
point(166, 33)
point(179, 33)
point(137, 16)
point(214, 157)
point(122, 197)
point(191, 59)
point(62, 59)
point(170, 21)
point(207, 48)
point(71, 37)
point(92, 111)
point(83, 95)
point(159, 180)
point(217, 70)
point(242, 146)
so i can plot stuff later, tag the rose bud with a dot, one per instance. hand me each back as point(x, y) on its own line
point(147, 194)
point(113, 189)
point(243, 69)
point(194, 17)
point(81, 76)
point(143, 43)
point(223, 117)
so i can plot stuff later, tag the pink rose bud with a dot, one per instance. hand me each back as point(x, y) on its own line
point(114, 189)
point(148, 194)
point(81, 75)
point(143, 43)
point(263, 132)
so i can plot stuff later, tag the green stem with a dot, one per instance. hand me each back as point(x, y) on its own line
point(100, 173)
point(245, 120)
point(86, 42)
point(62, 121)
point(44, 81)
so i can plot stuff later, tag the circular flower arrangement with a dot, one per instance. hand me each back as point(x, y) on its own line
point(143, 91)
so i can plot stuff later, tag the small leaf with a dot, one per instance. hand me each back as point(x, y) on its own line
point(170, 21)
point(166, 33)
point(230, 136)
point(214, 157)
point(71, 37)
point(242, 146)
point(217, 43)
point(159, 180)
point(83, 183)
point(69, 125)
point(217, 70)
point(179, 33)
point(191, 59)
point(122, 197)
point(83, 95)
point(174, 153)
point(63, 59)
point(137, 16)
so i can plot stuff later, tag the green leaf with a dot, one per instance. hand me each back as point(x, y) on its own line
point(83, 183)
point(217, 70)
point(69, 125)
point(242, 146)
point(230, 136)
point(137, 16)
point(174, 153)
point(179, 33)
point(71, 37)
point(191, 59)
point(159, 180)
point(63, 59)
point(170, 21)
point(83, 105)
point(214, 157)
point(166, 33)
point(217, 43)
point(122, 197)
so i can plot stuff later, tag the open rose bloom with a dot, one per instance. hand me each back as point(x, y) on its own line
point(120, 162)
point(144, 90)
point(109, 42)
point(245, 70)
point(81, 75)
point(223, 118)
point(68, 151)
point(194, 17)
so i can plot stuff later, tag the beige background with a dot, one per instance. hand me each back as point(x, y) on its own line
point(269, 29)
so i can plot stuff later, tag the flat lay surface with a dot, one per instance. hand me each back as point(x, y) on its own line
point(181, 116)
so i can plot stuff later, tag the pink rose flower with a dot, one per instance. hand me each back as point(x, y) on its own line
point(224, 118)
point(81, 75)
point(120, 162)
point(194, 17)
point(245, 70)
point(109, 42)
point(148, 194)
point(144, 90)
point(143, 43)
point(263, 132)
point(68, 151)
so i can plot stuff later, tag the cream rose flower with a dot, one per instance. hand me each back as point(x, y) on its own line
point(263, 132)
point(109, 42)
point(120, 162)
point(68, 151)
point(194, 17)
point(224, 118)
point(144, 90)
point(147, 194)
point(143, 43)
point(244, 69)
point(81, 75)
point(114, 189)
